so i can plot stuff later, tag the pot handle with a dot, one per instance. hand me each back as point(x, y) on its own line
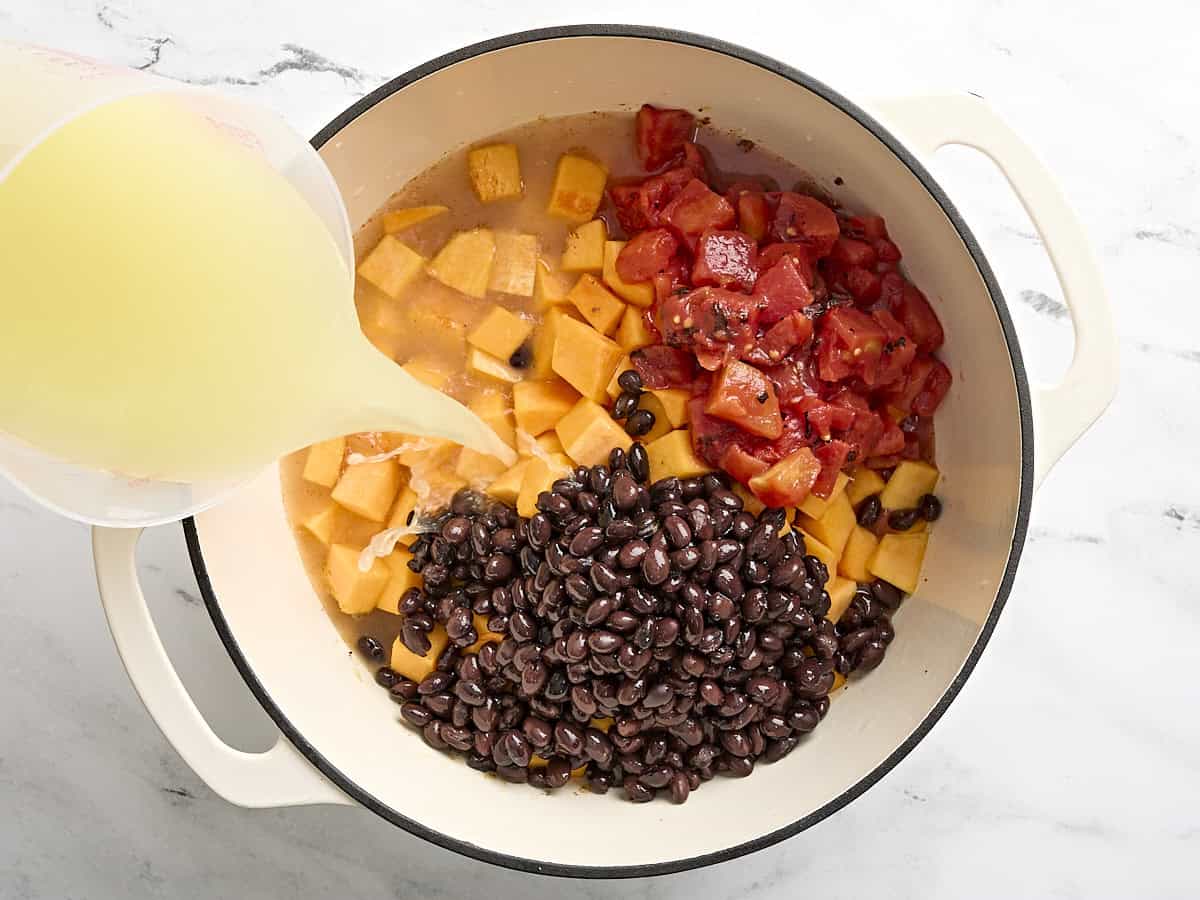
point(1063, 412)
point(278, 777)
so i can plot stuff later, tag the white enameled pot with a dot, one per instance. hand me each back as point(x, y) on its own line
point(996, 439)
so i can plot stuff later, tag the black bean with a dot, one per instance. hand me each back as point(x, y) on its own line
point(678, 532)
point(432, 733)
point(604, 641)
point(656, 565)
point(416, 714)
point(624, 405)
point(630, 380)
point(385, 676)
point(869, 511)
point(604, 579)
point(586, 540)
point(632, 553)
point(639, 462)
point(640, 423)
point(637, 792)
point(887, 595)
point(930, 507)
point(871, 656)
point(903, 519)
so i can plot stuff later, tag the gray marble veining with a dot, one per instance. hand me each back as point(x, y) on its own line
point(1069, 767)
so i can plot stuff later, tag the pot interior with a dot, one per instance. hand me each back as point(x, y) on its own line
point(260, 593)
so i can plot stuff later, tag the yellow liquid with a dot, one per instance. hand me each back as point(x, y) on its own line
point(171, 308)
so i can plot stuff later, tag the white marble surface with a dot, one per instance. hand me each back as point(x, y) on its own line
point(1070, 765)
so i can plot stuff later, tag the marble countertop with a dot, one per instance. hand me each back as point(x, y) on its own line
point(1070, 765)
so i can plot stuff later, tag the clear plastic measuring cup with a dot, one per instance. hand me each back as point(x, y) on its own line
point(43, 90)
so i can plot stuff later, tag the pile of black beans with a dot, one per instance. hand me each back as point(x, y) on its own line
point(666, 608)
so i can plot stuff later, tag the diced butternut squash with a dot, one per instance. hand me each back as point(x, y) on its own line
point(355, 592)
point(860, 546)
point(584, 358)
point(403, 513)
point(814, 547)
point(639, 294)
point(662, 422)
point(487, 366)
point(465, 262)
point(864, 483)
point(841, 593)
point(485, 636)
point(672, 454)
point(495, 172)
point(323, 464)
point(539, 405)
point(429, 328)
point(507, 487)
point(614, 390)
point(750, 503)
point(391, 266)
point(432, 372)
point(814, 507)
point(550, 286)
point(675, 403)
point(598, 305)
point(584, 251)
point(427, 454)
point(633, 332)
point(399, 219)
point(515, 266)
point(495, 409)
point(578, 188)
point(417, 668)
point(478, 469)
point(368, 489)
point(401, 579)
point(744, 395)
point(321, 524)
point(898, 558)
point(545, 337)
point(909, 483)
point(834, 527)
point(539, 475)
point(499, 333)
point(551, 443)
point(588, 433)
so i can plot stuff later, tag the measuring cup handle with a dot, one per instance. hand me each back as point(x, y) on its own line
point(278, 777)
point(1062, 412)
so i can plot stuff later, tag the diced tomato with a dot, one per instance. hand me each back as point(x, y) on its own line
point(745, 396)
point(753, 214)
point(724, 258)
point(891, 289)
point(919, 320)
point(898, 350)
point(672, 282)
point(822, 418)
point(695, 209)
point(886, 251)
point(849, 252)
point(640, 204)
point(663, 367)
point(869, 227)
point(805, 220)
point(741, 465)
point(864, 433)
point(891, 439)
point(864, 285)
point(769, 255)
point(794, 381)
point(789, 481)
point(832, 456)
point(925, 438)
point(711, 437)
point(851, 344)
point(716, 324)
point(693, 162)
point(781, 290)
point(937, 384)
point(646, 254)
point(660, 134)
point(790, 332)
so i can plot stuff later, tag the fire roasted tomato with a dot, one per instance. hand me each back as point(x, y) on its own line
point(851, 344)
point(745, 396)
point(725, 259)
point(646, 255)
point(741, 465)
point(898, 350)
point(716, 324)
point(805, 220)
point(694, 210)
point(789, 481)
point(672, 282)
point(781, 290)
point(712, 437)
point(849, 252)
point(933, 391)
point(869, 228)
point(661, 134)
point(769, 255)
point(918, 318)
point(753, 214)
point(663, 367)
point(790, 332)
point(923, 387)
point(832, 456)
point(640, 204)
point(891, 438)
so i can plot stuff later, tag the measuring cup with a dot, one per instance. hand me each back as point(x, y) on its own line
point(55, 87)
